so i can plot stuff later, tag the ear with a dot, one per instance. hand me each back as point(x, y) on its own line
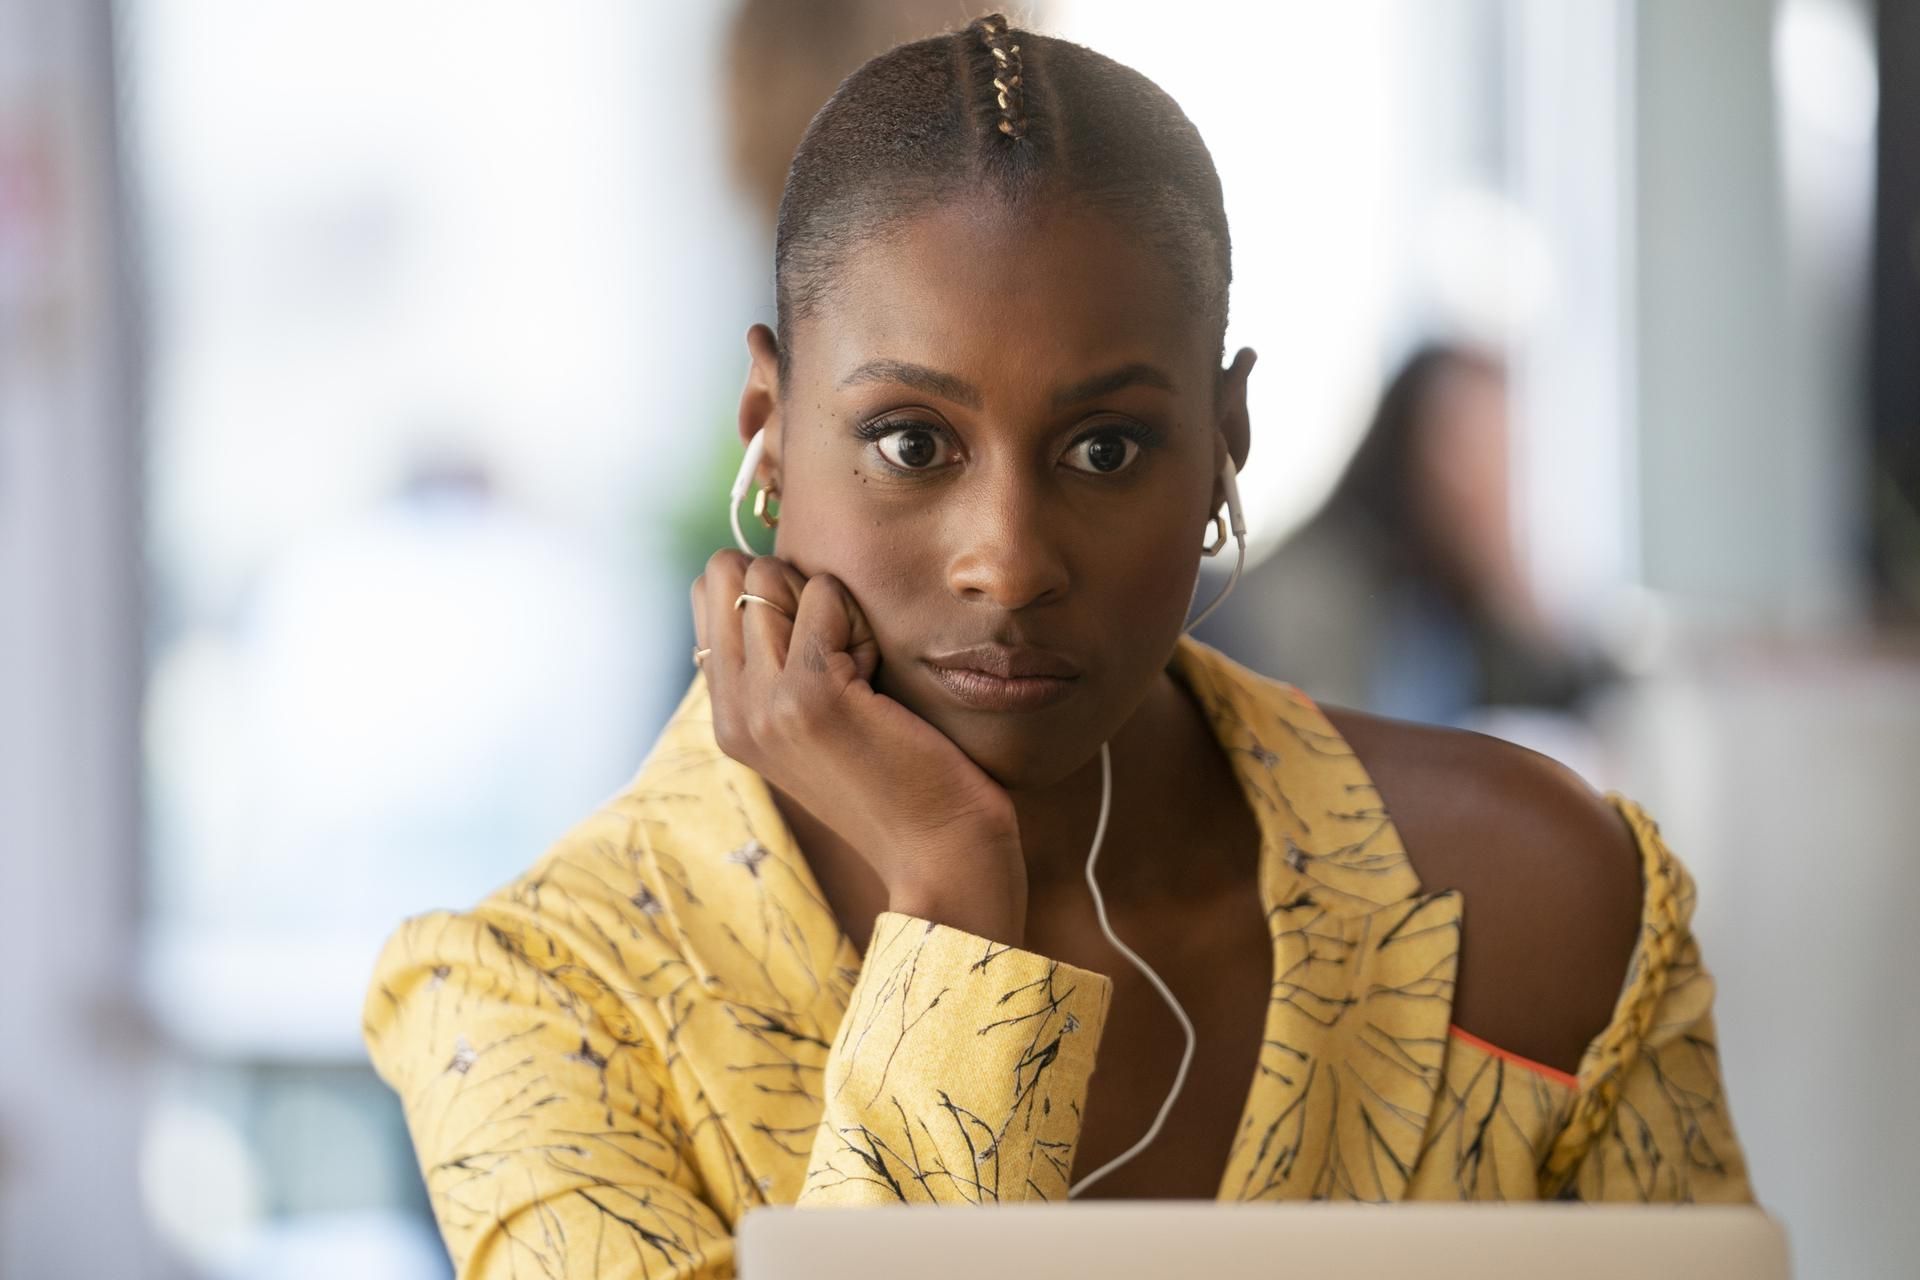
point(1230, 400)
point(760, 399)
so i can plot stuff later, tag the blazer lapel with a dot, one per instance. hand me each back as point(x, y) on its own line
point(1364, 960)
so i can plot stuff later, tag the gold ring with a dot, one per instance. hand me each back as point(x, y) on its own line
point(699, 654)
point(740, 602)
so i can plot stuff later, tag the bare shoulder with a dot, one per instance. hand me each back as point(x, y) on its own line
point(1548, 870)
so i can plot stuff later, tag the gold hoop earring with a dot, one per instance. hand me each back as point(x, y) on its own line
point(760, 507)
point(1219, 536)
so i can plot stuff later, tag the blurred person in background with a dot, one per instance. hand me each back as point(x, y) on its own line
point(1404, 594)
point(832, 945)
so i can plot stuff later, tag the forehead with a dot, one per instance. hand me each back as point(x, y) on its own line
point(1007, 297)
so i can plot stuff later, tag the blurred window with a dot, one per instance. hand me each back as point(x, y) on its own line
point(415, 406)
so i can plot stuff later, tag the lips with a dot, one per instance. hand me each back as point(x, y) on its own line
point(1007, 661)
point(1005, 677)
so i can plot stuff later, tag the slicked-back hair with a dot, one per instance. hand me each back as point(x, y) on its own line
point(992, 111)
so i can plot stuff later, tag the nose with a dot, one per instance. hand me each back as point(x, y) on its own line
point(1005, 554)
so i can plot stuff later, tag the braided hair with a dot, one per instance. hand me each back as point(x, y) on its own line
point(1006, 82)
point(992, 111)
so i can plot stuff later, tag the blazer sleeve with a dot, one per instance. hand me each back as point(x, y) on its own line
point(959, 1073)
point(1649, 1121)
point(540, 1114)
point(552, 1142)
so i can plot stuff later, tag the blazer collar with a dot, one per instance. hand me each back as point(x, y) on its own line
point(1324, 828)
point(1364, 959)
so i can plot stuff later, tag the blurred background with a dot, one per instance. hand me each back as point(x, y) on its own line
point(367, 375)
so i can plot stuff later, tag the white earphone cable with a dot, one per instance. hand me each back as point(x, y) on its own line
point(1106, 927)
point(1239, 559)
point(1186, 1023)
point(741, 482)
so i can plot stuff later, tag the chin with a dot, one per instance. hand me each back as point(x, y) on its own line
point(1019, 756)
point(1019, 750)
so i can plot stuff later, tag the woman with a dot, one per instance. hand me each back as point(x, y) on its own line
point(832, 944)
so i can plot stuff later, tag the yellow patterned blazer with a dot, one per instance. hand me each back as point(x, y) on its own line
point(661, 1025)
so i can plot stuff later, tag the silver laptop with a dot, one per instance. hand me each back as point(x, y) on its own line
point(1123, 1240)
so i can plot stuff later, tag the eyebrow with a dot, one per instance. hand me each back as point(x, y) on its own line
point(960, 391)
point(917, 376)
point(1101, 384)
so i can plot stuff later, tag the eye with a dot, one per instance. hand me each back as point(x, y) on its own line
point(910, 446)
point(1105, 451)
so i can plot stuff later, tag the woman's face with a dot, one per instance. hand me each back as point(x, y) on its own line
point(1005, 429)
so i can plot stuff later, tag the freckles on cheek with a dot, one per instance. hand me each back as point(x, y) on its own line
point(850, 528)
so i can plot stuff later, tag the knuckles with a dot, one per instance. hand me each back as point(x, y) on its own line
point(771, 577)
point(787, 717)
point(750, 730)
point(721, 565)
point(724, 558)
point(784, 717)
point(729, 734)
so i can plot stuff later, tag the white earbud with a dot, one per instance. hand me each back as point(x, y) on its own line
point(1237, 524)
point(741, 483)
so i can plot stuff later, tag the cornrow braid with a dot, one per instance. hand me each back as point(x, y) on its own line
point(1007, 86)
point(991, 112)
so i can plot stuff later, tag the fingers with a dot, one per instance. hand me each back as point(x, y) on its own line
point(861, 642)
point(714, 619)
point(754, 669)
point(766, 632)
point(822, 631)
point(748, 642)
point(831, 622)
point(698, 596)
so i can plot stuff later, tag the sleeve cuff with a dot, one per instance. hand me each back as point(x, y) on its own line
point(960, 1071)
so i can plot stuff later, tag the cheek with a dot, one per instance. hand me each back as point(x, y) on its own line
point(830, 530)
point(885, 582)
point(1140, 578)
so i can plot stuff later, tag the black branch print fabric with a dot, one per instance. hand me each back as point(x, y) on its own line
point(973, 1057)
point(660, 1025)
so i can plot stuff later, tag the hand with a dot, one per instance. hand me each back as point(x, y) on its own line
point(793, 701)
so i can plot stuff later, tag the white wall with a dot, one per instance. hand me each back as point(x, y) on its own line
point(1748, 436)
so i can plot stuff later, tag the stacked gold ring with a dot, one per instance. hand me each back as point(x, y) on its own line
point(740, 602)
